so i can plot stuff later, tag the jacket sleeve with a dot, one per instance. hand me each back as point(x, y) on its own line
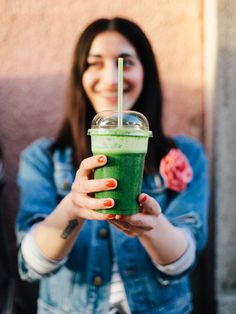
point(38, 195)
point(189, 208)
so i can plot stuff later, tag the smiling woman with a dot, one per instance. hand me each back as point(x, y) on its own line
point(88, 261)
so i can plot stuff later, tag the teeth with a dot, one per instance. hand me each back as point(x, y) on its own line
point(108, 94)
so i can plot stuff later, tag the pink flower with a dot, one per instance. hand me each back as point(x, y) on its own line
point(176, 170)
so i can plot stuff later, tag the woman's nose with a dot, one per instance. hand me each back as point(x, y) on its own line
point(110, 73)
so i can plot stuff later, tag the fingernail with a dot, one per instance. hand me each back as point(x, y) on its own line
point(110, 183)
point(108, 203)
point(110, 216)
point(143, 198)
point(101, 159)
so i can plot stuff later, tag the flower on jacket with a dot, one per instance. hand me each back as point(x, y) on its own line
point(176, 170)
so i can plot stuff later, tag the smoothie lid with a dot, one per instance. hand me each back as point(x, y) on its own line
point(106, 122)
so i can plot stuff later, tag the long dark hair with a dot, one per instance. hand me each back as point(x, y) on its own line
point(1, 168)
point(79, 110)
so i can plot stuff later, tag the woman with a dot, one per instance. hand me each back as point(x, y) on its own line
point(89, 262)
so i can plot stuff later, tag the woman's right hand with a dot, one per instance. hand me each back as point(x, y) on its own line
point(56, 235)
point(84, 187)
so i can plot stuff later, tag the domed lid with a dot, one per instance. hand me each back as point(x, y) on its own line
point(133, 123)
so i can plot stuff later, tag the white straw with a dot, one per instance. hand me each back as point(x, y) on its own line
point(120, 92)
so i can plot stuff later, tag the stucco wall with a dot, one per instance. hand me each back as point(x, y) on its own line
point(225, 158)
point(37, 38)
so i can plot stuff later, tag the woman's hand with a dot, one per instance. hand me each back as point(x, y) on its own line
point(56, 235)
point(144, 221)
point(83, 188)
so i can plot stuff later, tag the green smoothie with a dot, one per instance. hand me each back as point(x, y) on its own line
point(127, 169)
point(125, 149)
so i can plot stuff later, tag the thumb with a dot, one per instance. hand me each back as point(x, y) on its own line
point(149, 204)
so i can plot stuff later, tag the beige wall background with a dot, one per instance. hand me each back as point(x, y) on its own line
point(36, 44)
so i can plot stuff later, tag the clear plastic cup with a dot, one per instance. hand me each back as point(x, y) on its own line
point(125, 148)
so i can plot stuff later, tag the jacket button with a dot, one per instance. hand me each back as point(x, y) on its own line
point(66, 185)
point(103, 233)
point(97, 281)
point(164, 282)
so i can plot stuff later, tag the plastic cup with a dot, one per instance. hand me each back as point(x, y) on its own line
point(125, 148)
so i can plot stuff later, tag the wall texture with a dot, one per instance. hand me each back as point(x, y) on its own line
point(225, 158)
point(37, 39)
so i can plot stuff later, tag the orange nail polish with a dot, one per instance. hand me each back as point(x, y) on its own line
point(100, 159)
point(143, 199)
point(110, 183)
point(107, 203)
point(111, 216)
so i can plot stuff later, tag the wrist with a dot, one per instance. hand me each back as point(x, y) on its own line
point(155, 229)
point(72, 210)
point(71, 223)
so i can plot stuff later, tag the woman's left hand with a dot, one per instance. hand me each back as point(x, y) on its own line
point(144, 221)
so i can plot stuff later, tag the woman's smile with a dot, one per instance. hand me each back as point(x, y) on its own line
point(110, 97)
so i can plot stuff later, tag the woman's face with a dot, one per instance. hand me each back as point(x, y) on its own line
point(100, 79)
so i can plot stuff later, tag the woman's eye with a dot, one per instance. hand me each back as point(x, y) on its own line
point(128, 63)
point(95, 64)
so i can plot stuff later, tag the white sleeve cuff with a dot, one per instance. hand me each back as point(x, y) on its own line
point(35, 258)
point(184, 262)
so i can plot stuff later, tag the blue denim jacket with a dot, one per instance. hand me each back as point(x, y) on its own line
point(81, 285)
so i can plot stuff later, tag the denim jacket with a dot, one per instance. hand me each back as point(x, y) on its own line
point(81, 284)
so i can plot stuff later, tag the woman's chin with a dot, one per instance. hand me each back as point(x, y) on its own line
point(112, 107)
